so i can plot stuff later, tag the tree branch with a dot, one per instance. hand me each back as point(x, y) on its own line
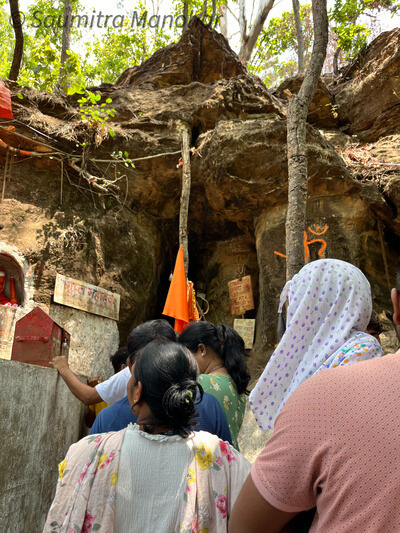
point(248, 42)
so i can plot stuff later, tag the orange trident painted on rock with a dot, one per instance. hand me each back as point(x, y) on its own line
point(306, 242)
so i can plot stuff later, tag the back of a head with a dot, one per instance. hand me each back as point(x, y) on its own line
point(225, 342)
point(119, 358)
point(168, 373)
point(148, 332)
point(332, 287)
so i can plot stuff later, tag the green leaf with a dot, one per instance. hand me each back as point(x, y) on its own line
point(96, 527)
point(127, 155)
point(19, 95)
point(109, 101)
point(112, 133)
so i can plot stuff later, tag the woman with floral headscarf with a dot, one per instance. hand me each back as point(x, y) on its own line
point(329, 307)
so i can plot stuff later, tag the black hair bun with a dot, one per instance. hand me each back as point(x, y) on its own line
point(179, 402)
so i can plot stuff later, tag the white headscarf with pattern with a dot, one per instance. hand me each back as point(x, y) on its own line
point(329, 308)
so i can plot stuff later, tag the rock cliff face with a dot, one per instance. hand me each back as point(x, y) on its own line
point(239, 182)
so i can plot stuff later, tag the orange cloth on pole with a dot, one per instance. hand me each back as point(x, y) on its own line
point(176, 304)
point(5, 102)
point(193, 313)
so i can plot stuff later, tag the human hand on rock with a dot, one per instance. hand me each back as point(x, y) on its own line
point(60, 363)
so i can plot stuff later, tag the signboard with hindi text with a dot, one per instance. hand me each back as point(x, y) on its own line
point(245, 327)
point(80, 295)
point(241, 295)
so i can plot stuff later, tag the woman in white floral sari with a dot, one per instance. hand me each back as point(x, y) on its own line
point(156, 475)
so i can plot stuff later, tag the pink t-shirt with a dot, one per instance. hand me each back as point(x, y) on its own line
point(336, 446)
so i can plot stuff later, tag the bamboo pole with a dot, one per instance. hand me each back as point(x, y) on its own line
point(185, 196)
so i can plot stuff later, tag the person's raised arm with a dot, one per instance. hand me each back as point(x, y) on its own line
point(251, 513)
point(86, 394)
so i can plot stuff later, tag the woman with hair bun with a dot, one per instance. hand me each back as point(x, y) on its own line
point(220, 354)
point(156, 475)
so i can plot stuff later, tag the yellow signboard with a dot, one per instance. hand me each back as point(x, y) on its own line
point(245, 327)
point(80, 295)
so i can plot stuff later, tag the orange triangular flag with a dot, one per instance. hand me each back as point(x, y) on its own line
point(176, 304)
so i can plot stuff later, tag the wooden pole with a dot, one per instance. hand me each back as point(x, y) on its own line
point(185, 196)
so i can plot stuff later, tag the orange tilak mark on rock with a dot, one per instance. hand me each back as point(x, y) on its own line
point(318, 227)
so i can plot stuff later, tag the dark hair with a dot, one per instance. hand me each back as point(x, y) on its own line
point(119, 358)
point(168, 373)
point(226, 343)
point(374, 326)
point(147, 332)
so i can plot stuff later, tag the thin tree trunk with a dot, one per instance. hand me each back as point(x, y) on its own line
point(223, 21)
point(186, 16)
point(242, 23)
point(248, 42)
point(336, 61)
point(66, 37)
point(19, 40)
point(300, 37)
point(296, 144)
point(203, 12)
point(214, 12)
point(185, 196)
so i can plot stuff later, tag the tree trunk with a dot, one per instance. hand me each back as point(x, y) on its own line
point(213, 13)
point(223, 20)
point(300, 37)
point(185, 196)
point(336, 61)
point(19, 40)
point(66, 37)
point(248, 42)
point(203, 12)
point(186, 16)
point(242, 22)
point(296, 143)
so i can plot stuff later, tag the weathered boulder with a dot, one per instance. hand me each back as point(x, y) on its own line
point(322, 113)
point(200, 55)
point(368, 91)
point(125, 239)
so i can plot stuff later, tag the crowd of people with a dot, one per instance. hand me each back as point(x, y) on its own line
point(164, 454)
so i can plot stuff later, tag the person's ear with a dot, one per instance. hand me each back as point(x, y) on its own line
point(138, 392)
point(395, 294)
point(202, 349)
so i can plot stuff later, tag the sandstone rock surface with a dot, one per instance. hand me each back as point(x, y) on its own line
point(368, 92)
point(239, 185)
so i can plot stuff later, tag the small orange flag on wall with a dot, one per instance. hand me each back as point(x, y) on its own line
point(176, 304)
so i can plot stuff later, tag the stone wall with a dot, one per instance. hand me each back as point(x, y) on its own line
point(40, 420)
point(93, 339)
